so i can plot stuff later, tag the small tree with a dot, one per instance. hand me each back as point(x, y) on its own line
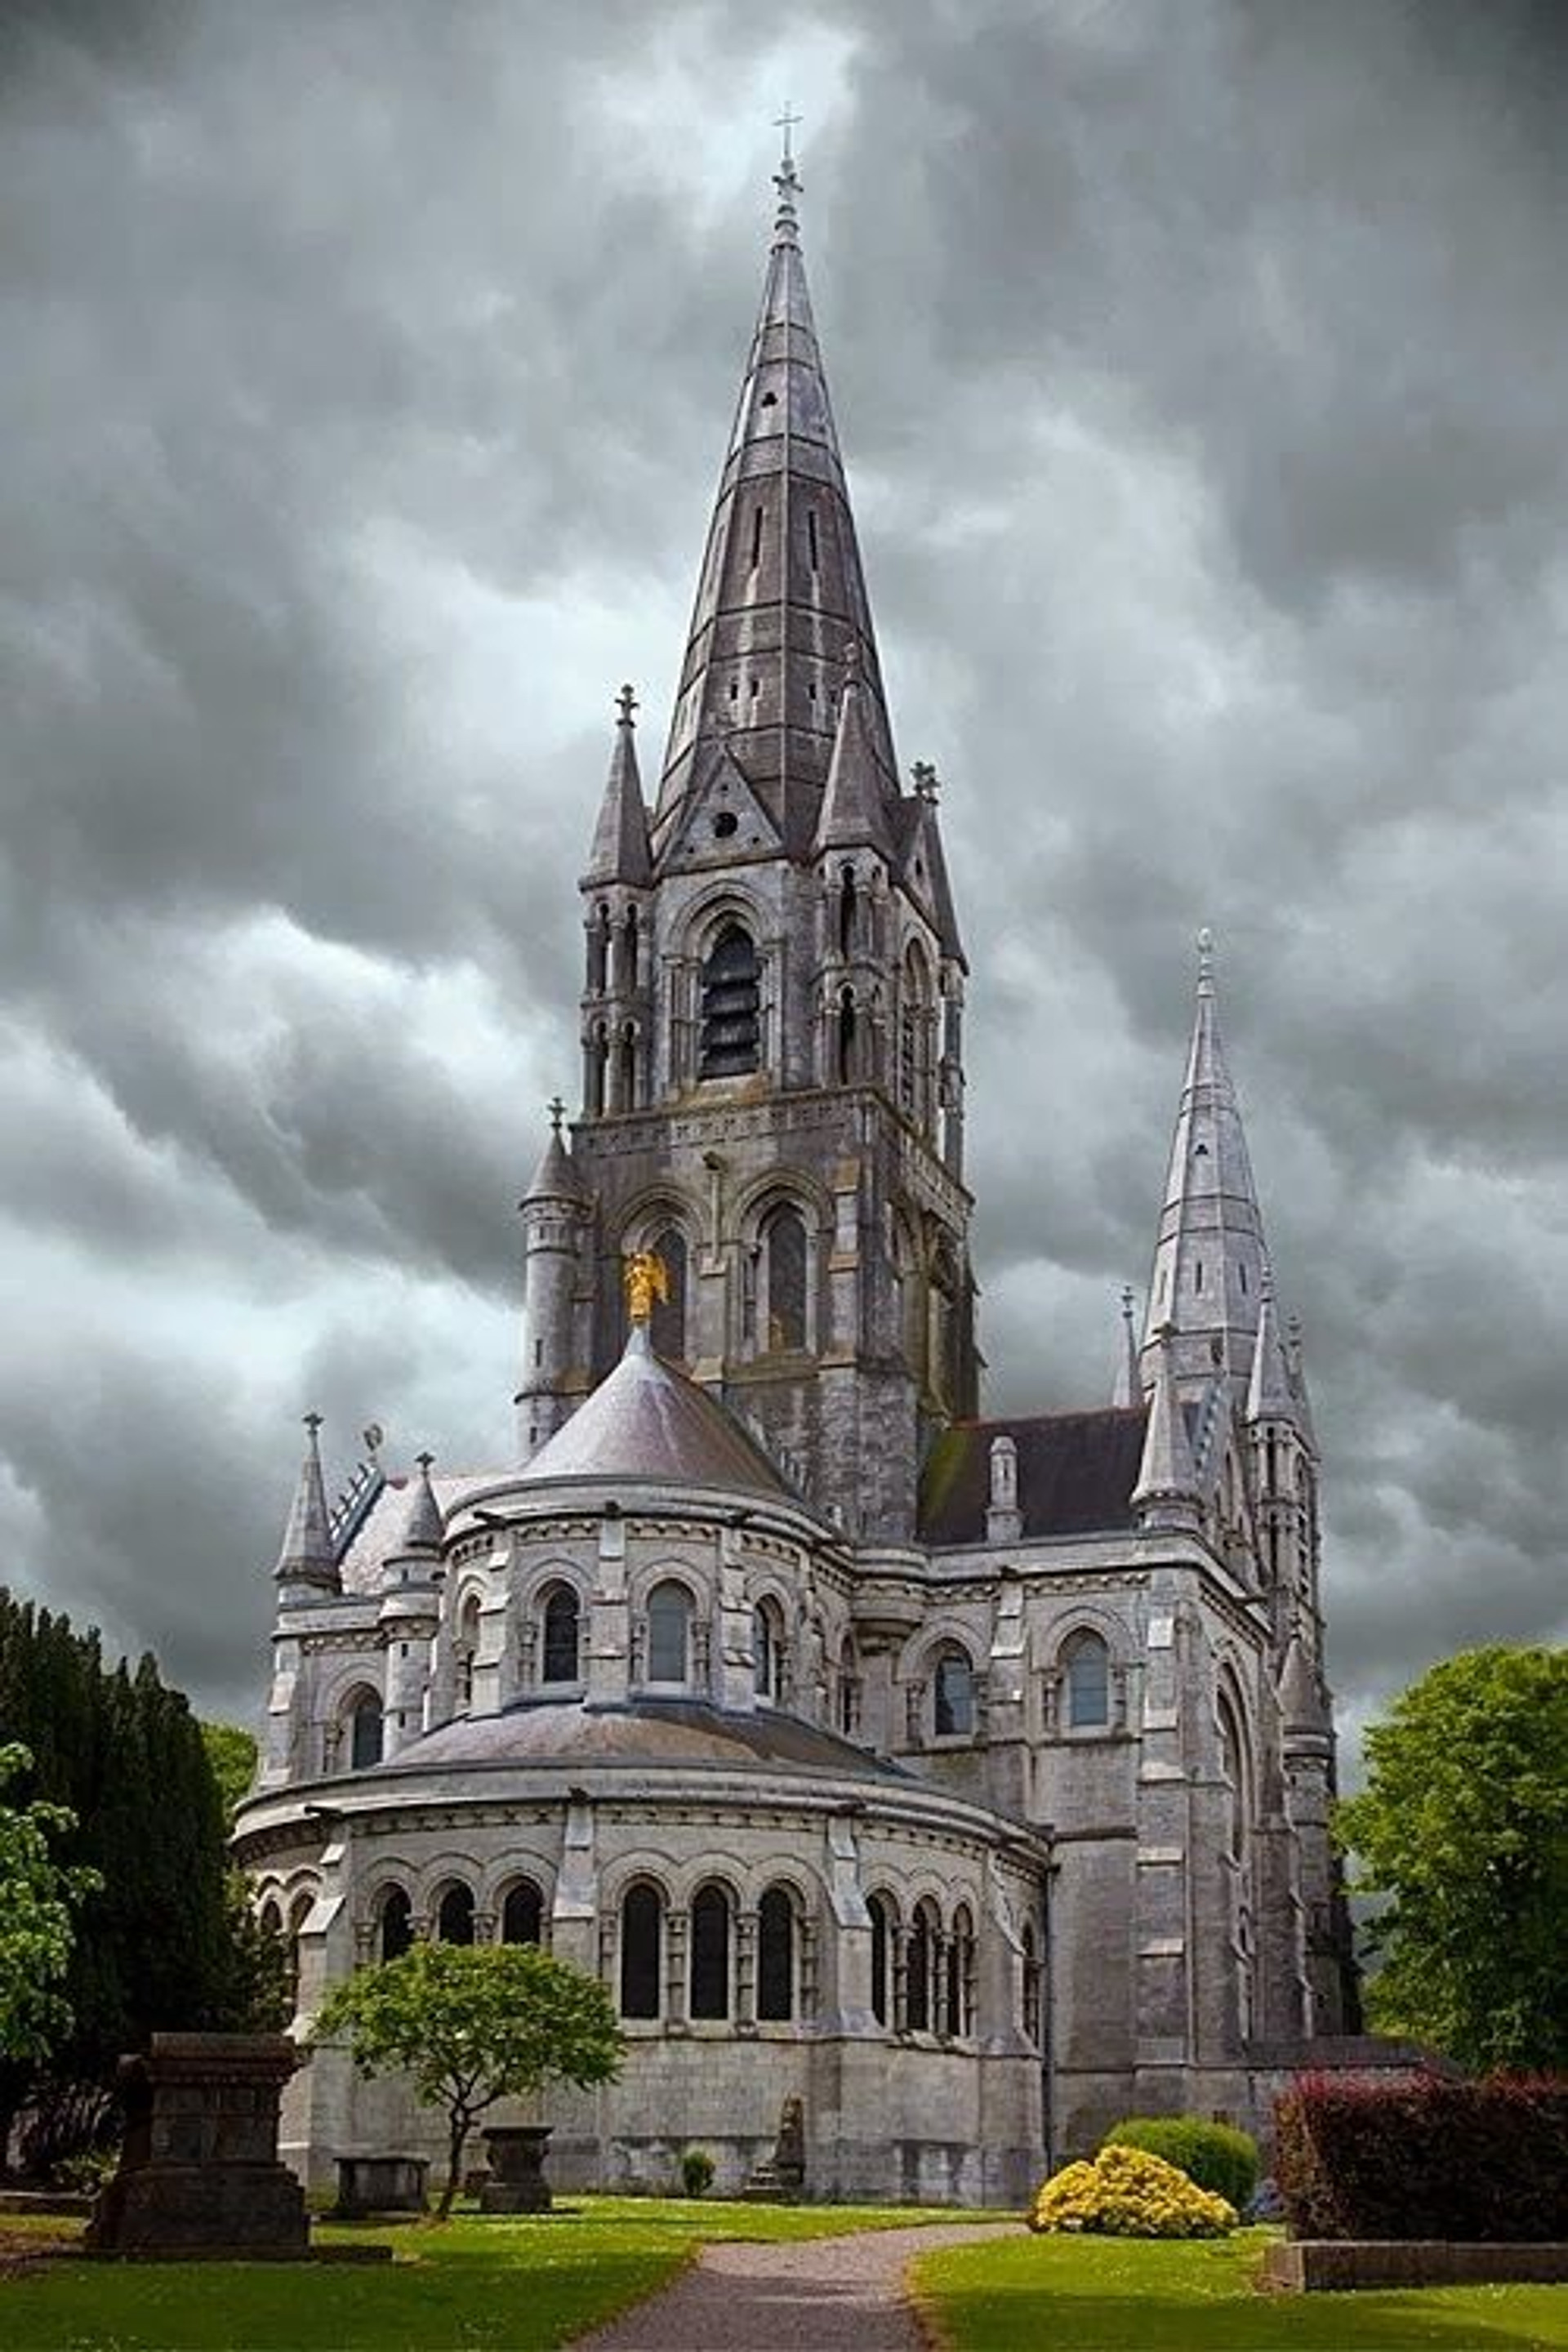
point(1463, 1825)
point(38, 1895)
point(472, 2024)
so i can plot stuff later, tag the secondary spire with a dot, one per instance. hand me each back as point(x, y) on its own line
point(1209, 1256)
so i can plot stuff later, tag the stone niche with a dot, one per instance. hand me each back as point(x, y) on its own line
point(199, 2171)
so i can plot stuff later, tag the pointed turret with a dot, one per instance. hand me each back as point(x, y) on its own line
point(1207, 1278)
point(1302, 1710)
point(781, 596)
point(555, 1176)
point(307, 1556)
point(1166, 1495)
point(620, 849)
point(855, 812)
point(424, 1526)
point(1270, 1393)
point(1128, 1387)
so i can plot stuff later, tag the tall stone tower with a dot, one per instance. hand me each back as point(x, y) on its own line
point(772, 1002)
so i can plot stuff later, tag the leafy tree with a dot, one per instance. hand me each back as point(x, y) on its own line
point(472, 2024)
point(38, 1895)
point(231, 1753)
point(1463, 1825)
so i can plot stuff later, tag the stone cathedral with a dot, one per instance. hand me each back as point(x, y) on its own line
point(964, 1779)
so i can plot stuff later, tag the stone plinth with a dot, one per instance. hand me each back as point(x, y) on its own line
point(1333, 2265)
point(369, 2185)
point(516, 2182)
point(199, 2170)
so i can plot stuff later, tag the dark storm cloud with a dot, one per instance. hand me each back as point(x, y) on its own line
point(1201, 379)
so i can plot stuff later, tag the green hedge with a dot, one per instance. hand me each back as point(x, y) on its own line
point(1217, 2156)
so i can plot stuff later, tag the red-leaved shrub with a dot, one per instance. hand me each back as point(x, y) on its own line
point(1422, 2155)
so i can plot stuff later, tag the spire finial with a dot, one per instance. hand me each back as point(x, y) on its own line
point(928, 783)
point(1129, 1300)
point(786, 179)
point(627, 703)
point(1205, 961)
point(312, 1422)
point(557, 1110)
point(424, 1461)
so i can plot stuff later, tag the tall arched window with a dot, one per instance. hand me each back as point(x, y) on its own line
point(300, 1911)
point(709, 1990)
point(627, 955)
point(1086, 1667)
point(560, 1661)
point(626, 1068)
point(921, 1968)
point(668, 1633)
point(954, 1695)
point(466, 1648)
point(849, 1690)
point(767, 1650)
point(785, 1254)
point(667, 1330)
point(881, 1947)
point(731, 1006)
point(599, 948)
point(394, 1924)
point(596, 1069)
point(642, 1942)
point(455, 1916)
point(846, 927)
point(365, 1730)
point(914, 1021)
point(523, 1913)
point(959, 2005)
point(775, 1955)
point(1029, 1988)
point(845, 1024)
point(1233, 1761)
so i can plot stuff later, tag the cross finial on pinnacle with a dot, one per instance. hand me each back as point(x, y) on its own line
point(1129, 1300)
point(625, 703)
point(927, 782)
point(312, 1422)
point(1205, 960)
point(424, 1461)
point(557, 1110)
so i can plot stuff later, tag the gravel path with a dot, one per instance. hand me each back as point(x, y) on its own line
point(817, 2295)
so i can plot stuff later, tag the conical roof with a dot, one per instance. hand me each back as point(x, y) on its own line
point(556, 1177)
point(781, 596)
point(307, 1555)
point(648, 1424)
point(620, 849)
point(854, 813)
point(1270, 1393)
point(1167, 1490)
point(424, 1528)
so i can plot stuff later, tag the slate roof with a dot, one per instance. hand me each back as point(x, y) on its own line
point(1077, 1472)
point(647, 1422)
point(645, 1732)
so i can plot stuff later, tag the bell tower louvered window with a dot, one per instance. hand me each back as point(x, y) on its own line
point(731, 1006)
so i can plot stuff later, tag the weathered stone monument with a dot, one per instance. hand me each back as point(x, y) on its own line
point(515, 2182)
point(199, 2171)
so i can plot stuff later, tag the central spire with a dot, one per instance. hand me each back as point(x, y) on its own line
point(780, 599)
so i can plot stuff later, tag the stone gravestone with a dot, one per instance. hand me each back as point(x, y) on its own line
point(515, 2182)
point(199, 2171)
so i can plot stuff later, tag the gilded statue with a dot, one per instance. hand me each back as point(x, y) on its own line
point(647, 1278)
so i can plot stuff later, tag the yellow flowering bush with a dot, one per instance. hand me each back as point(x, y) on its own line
point(1127, 2193)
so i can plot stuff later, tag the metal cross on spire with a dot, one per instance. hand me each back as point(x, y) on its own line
point(557, 1110)
point(625, 703)
point(786, 179)
point(926, 780)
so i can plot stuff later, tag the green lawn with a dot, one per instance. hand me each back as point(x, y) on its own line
point(1110, 2295)
point(467, 2285)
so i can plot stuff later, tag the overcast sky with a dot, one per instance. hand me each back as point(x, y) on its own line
point(1202, 369)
